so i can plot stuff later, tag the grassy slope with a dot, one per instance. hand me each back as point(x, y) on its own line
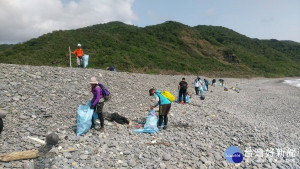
point(170, 47)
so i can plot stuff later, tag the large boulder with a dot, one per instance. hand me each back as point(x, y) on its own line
point(2, 113)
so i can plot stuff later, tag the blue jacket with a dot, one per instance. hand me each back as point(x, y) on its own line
point(162, 99)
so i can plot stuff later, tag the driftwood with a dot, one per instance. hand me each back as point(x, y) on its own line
point(19, 155)
point(37, 140)
point(158, 143)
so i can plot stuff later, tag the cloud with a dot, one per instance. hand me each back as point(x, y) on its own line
point(21, 20)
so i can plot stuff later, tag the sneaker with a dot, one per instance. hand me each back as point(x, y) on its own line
point(165, 127)
point(181, 102)
point(93, 127)
point(159, 127)
point(101, 130)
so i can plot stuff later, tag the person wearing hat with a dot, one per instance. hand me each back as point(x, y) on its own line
point(79, 54)
point(164, 107)
point(97, 103)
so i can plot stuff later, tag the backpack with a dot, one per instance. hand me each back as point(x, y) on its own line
point(168, 95)
point(184, 85)
point(106, 94)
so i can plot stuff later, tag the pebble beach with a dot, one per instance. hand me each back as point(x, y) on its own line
point(260, 116)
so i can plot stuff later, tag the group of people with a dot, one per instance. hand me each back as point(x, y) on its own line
point(162, 102)
point(198, 84)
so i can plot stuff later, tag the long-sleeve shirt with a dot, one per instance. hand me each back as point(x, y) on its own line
point(97, 95)
point(78, 53)
point(197, 83)
point(160, 99)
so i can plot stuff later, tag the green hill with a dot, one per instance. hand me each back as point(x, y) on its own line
point(167, 48)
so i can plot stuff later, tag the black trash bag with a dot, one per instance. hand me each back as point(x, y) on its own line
point(202, 97)
point(119, 119)
point(1, 125)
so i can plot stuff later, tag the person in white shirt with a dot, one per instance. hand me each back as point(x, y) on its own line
point(197, 85)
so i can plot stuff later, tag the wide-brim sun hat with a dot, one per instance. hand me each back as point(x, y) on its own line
point(93, 80)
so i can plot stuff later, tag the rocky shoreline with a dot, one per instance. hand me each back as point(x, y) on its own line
point(264, 115)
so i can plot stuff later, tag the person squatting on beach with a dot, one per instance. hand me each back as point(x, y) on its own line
point(79, 54)
point(221, 82)
point(97, 103)
point(213, 82)
point(164, 107)
point(197, 85)
point(182, 87)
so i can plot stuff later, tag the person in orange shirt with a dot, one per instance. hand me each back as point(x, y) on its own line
point(79, 54)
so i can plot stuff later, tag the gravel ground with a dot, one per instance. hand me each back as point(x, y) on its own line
point(262, 117)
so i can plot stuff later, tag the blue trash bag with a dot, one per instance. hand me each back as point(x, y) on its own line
point(150, 125)
point(84, 119)
point(188, 99)
point(220, 84)
point(178, 96)
point(204, 87)
point(95, 115)
point(85, 60)
point(201, 90)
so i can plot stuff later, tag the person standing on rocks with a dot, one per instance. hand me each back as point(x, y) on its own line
point(97, 102)
point(79, 54)
point(206, 83)
point(197, 84)
point(182, 87)
point(164, 107)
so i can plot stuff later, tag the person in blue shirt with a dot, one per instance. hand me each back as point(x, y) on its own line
point(164, 107)
point(206, 83)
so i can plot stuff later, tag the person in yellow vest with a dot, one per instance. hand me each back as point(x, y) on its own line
point(79, 54)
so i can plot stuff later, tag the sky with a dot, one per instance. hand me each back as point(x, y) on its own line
point(22, 20)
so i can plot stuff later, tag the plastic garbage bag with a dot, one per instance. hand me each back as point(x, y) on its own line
point(201, 90)
point(95, 115)
point(150, 125)
point(204, 87)
point(188, 99)
point(84, 119)
point(85, 60)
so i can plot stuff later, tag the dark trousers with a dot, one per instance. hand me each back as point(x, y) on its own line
point(163, 114)
point(182, 93)
point(197, 90)
point(207, 87)
point(99, 111)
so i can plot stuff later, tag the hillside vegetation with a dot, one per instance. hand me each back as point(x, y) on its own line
point(167, 48)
